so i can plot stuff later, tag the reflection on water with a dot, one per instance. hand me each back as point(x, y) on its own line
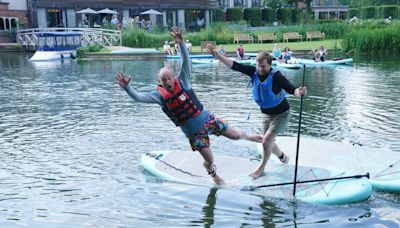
point(71, 141)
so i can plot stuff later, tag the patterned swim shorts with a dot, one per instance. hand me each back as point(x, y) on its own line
point(201, 140)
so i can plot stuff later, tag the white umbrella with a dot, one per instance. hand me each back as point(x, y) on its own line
point(107, 11)
point(87, 10)
point(151, 12)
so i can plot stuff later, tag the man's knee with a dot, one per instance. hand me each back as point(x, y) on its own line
point(267, 140)
point(232, 134)
point(236, 136)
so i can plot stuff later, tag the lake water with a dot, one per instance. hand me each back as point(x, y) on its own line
point(71, 142)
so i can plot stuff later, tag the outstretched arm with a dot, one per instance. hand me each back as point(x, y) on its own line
point(184, 72)
point(139, 97)
point(227, 61)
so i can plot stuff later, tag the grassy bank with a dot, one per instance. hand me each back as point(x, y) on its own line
point(356, 37)
point(383, 39)
point(223, 33)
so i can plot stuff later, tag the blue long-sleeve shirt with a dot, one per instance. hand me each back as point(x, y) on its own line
point(193, 125)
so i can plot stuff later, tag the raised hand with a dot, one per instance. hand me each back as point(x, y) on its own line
point(121, 80)
point(211, 49)
point(176, 33)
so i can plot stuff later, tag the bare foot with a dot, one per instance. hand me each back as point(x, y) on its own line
point(218, 180)
point(257, 174)
point(255, 138)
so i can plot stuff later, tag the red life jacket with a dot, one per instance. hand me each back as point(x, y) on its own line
point(241, 52)
point(180, 105)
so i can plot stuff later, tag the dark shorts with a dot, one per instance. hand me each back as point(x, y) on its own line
point(201, 140)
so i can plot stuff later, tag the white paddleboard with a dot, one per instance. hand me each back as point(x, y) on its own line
point(382, 165)
point(186, 167)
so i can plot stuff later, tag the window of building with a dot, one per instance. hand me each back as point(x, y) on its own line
point(54, 17)
point(134, 12)
point(223, 2)
point(14, 24)
point(255, 3)
point(194, 19)
point(2, 27)
point(170, 18)
point(342, 15)
point(240, 3)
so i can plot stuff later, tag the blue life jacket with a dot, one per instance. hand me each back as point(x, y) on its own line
point(263, 94)
point(277, 53)
point(287, 56)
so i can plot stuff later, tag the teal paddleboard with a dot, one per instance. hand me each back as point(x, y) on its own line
point(190, 56)
point(216, 61)
point(311, 62)
point(382, 165)
point(186, 167)
point(289, 65)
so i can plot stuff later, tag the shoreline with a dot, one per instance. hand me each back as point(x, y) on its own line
point(123, 53)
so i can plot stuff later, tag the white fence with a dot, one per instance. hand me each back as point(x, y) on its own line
point(89, 36)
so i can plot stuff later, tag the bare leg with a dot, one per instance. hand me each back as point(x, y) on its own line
point(276, 150)
point(209, 164)
point(268, 145)
point(236, 134)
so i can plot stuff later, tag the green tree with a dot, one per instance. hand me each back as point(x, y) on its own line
point(274, 4)
point(345, 2)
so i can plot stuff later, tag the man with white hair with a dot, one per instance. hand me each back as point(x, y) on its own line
point(178, 100)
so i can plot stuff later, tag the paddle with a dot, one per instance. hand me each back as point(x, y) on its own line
point(254, 187)
point(298, 134)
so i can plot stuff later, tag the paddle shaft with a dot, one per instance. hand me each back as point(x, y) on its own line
point(298, 134)
point(309, 181)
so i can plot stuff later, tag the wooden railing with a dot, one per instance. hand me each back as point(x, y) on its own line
point(89, 36)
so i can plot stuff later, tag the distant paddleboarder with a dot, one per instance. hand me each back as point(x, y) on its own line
point(178, 100)
point(269, 89)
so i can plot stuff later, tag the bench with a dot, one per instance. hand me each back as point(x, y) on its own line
point(266, 37)
point(315, 34)
point(203, 44)
point(292, 36)
point(242, 37)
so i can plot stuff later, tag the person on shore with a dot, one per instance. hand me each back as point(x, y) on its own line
point(269, 89)
point(178, 100)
